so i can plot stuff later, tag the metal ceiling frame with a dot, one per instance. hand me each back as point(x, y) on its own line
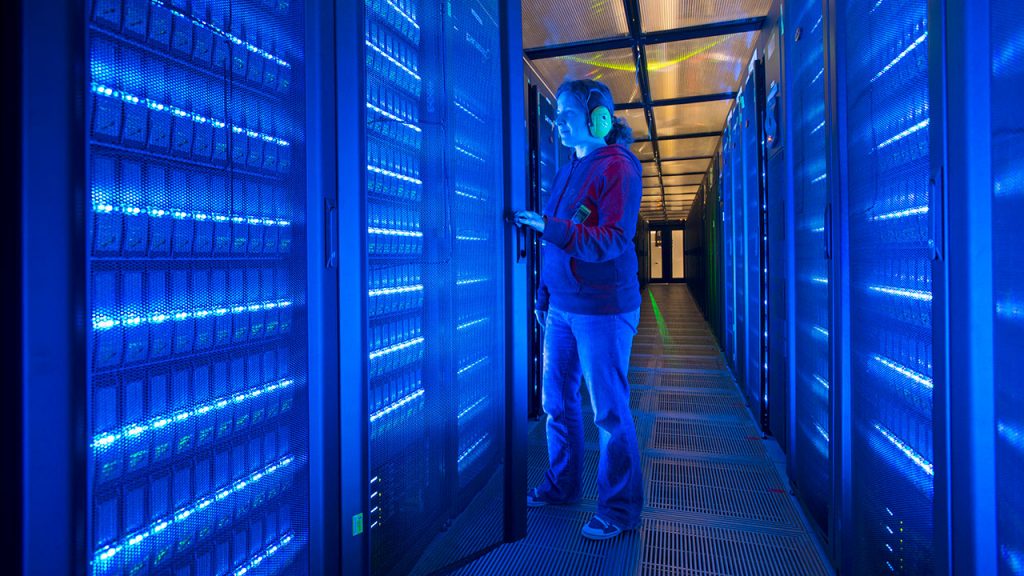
point(637, 40)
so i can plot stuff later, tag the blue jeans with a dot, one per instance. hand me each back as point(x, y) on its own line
point(598, 348)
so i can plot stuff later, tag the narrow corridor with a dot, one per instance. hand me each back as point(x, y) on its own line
point(716, 500)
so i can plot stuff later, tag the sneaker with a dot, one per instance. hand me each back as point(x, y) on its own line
point(600, 529)
point(534, 499)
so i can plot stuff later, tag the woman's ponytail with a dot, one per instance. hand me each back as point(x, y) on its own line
point(621, 132)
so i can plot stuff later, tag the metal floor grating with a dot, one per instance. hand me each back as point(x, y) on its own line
point(751, 493)
point(715, 502)
point(672, 548)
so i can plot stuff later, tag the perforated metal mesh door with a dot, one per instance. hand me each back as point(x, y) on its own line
point(198, 420)
point(1008, 208)
point(890, 284)
point(808, 146)
point(434, 231)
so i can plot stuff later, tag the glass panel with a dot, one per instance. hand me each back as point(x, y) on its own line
point(890, 285)
point(685, 166)
point(750, 142)
point(698, 67)
point(637, 121)
point(651, 182)
point(691, 118)
point(613, 67)
point(546, 23)
point(691, 180)
point(657, 253)
point(435, 321)
point(661, 15)
point(688, 147)
point(650, 169)
point(198, 455)
point(1008, 208)
point(810, 188)
point(678, 270)
point(643, 150)
point(689, 190)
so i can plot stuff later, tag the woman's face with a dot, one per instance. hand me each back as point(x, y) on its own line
point(571, 121)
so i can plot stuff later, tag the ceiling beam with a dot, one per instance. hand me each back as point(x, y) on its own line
point(682, 136)
point(681, 100)
point(660, 37)
point(675, 159)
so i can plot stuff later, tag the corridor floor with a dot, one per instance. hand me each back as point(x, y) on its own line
point(716, 499)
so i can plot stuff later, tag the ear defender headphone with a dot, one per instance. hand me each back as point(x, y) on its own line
point(600, 119)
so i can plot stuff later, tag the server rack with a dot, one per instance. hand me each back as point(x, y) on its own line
point(883, 88)
point(808, 145)
point(196, 227)
point(730, 170)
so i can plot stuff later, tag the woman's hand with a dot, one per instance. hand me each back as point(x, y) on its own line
point(530, 219)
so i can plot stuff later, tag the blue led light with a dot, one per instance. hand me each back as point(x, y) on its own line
point(821, 431)
point(818, 330)
point(468, 112)
point(174, 110)
point(470, 281)
point(465, 454)
point(820, 178)
point(470, 238)
point(821, 381)
point(470, 154)
point(819, 126)
point(394, 232)
point(1011, 310)
point(395, 290)
point(915, 128)
point(103, 558)
point(902, 213)
point(402, 13)
point(391, 116)
point(904, 292)
point(1013, 435)
point(396, 405)
point(1014, 558)
point(471, 323)
point(819, 279)
point(101, 322)
point(909, 452)
point(469, 367)
point(225, 34)
point(1008, 182)
point(396, 348)
point(468, 195)
point(179, 214)
point(920, 40)
point(393, 174)
point(904, 371)
point(134, 431)
point(401, 66)
point(821, 73)
point(471, 407)
point(265, 554)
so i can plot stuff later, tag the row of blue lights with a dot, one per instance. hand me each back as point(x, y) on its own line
point(1010, 310)
point(921, 295)
point(471, 281)
point(920, 40)
point(913, 129)
point(101, 322)
point(469, 367)
point(393, 174)
point(396, 405)
point(913, 375)
point(470, 238)
point(475, 445)
point(265, 554)
point(471, 323)
point(470, 154)
point(917, 211)
point(134, 431)
point(394, 117)
point(395, 232)
point(468, 195)
point(468, 112)
point(396, 348)
point(395, 290)
point(178, 214)
point(909, 452)
point(391, 58)
point(472, 406)
point(1011, 434)
point(402, 13)
point(104, 556)
point(182, 113)
point(225, 34)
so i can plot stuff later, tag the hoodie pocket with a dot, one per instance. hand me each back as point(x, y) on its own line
point(556, 270)
point(595, 276)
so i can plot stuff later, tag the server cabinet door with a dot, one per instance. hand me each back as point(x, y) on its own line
point(197, 385)
point(435, 313)
point(885, 51)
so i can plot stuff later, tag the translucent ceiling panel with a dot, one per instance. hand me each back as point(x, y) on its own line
point(698, 67)
point(688, 147)
point(650, 169)
point(546, 23)
point(643, 150)
point(636, 120)
point(684, 166)
point(651, 182)
point(682, 190)
point(691, 180)
point(691, 118)
point(662, 15)
point(613, 67)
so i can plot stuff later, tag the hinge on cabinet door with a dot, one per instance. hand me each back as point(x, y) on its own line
point(828, 231)
point(937, 212)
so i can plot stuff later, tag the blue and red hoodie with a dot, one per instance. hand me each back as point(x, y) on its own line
point(589, 264)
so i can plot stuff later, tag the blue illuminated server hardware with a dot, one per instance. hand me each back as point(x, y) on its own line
point(198, 458)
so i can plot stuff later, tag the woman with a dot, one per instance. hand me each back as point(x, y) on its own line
point(589, 303)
